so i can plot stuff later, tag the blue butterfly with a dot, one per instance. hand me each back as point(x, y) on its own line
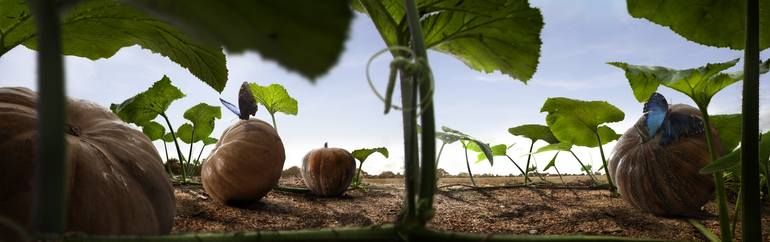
point(247, 105)
point(674, 125)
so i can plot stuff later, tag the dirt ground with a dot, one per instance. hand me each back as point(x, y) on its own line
point(519, 210)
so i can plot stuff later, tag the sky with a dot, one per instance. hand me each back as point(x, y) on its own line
point(579, 38)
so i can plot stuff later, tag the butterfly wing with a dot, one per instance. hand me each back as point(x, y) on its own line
point(680, 125)
point(655, 110)
point(231, 107)
point(246, 102)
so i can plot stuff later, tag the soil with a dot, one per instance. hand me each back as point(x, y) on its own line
point(547, 209)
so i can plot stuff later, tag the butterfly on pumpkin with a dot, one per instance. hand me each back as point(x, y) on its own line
point(247, 105)
point(671, 125)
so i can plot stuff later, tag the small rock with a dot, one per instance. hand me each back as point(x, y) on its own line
point(533, 231)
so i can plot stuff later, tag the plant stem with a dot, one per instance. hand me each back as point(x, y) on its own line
point(439, 153)
point(559, 173)
point(517, 166)
point(719, 184)
point(272, 116)
point(752, 223)
point(168, 168)
point(613, 189)
point(358, 174)
point(411, 155)
point(468, 164)
point(584, 167)
point(201, 152)
point(178, 150)
point(703, 230)
point(49, 207)
point(736, 211)
point(189, 155)
point(526, 168)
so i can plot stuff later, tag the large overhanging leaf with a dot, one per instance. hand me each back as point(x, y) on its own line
point(202, 117)
point(579, 122)
point(717, 23)
point(534, 132)
point(146, 106)
point(303, 36)
point(99, 28)
point(488, 36)
point(700, 83)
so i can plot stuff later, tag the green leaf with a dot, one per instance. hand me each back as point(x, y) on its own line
point(534, 132)
point(485, 150)
point(168, 138)
point(700, 84)
point(202, 117)
point(303, 36)
point(579, 122)
point(153, 130)
point(555, 147)
point(709, 22)
point(210, 141)
point(733, 158)
point(185, 133)
point(362, 154)
point(729, 128)
point(97, 29)
point(146, 106)
point(275, 98)
point(488, 36)
point(447, 138)
point(452, 135)
point(551, 163)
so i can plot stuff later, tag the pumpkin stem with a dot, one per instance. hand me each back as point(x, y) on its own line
point(326, 144)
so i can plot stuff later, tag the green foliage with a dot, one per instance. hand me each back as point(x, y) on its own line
point(146, 106)
point(700, 84)
point(168, 138)
point(497, 150)
point(454, 135)
point(488, 36)
point(555, 147)
point(733, 158)
point(729, 128)
point(534, 132)
point(275, 98)
point(210, 141)
point(185, 133)
point(153, 130)
point(97, 29)
point(578, 122)
point(202, 117)
point(551, 163)
point(303, 36)
point(362, 154)
point(710, 22)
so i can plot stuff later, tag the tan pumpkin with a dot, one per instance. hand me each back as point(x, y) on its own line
point(116, 183)
point(328, 171)
point(663, 180)
point(245, 165)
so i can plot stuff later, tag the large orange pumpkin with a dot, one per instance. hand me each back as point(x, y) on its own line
point(245, 165)
point(116, 183)
point(663, 180)
point(328, 171)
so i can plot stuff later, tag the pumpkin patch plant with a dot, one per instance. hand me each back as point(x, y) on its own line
point(497, 150)
point(450, 135)
point(201, 125)
point(328, 172)
point(275, 99)
point(533, 132)
point(566, 147)
point(247, 161)
point(361, 155)
point(115, 176)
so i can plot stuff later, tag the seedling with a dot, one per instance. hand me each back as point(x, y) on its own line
point(451, 135)
point(361, 155)
point(497, 150)
point(533, 132)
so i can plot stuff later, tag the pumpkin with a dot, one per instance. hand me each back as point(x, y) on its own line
point(328, 171)
point(245, 164)
point(664, 179)
point(116, 183)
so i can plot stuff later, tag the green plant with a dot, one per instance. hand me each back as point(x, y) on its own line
point(201, 117)
point(497, 150)
point(450, 135)
point(533, 132)
point(274, 98)
point(207, 141)
point(146, 106)
point(361, 155)
point(558, 147)
point(582, 123)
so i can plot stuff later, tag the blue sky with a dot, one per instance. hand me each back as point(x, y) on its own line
point(579, 37)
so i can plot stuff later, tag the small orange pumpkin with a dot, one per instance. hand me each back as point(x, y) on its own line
point(245, 165)
point(116, 183)
point(328, 171)
point(663, 180)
